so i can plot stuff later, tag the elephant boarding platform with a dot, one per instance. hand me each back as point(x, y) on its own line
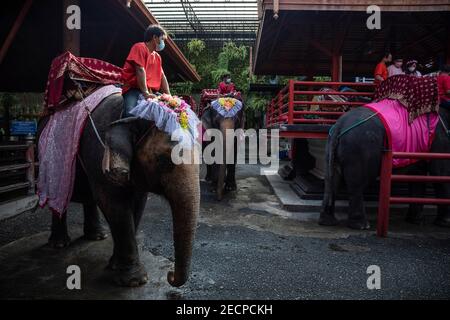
point(305, 111)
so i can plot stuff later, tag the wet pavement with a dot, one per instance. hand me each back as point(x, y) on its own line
point(247, 247)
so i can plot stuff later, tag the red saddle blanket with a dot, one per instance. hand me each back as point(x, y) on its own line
point(404, 136)
point(58, 148)
point(76, 68)
point(419, 95)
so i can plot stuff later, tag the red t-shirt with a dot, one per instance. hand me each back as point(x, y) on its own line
point(380, 70)
point(225, 88)
point(443, 82)
point(150, 61)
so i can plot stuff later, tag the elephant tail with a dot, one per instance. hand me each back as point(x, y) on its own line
point(333, 141)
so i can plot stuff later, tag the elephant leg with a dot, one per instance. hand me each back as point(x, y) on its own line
point(415, 211)
point(59, 237)
point(356, 176)
point(443, 211)
point(357, 212)
point(230, 181)
point(182, 190)
point(93, 228)
point(208, 176)
point(140, 202)
point(327, 217)
point(117, 204)
point(214, 176)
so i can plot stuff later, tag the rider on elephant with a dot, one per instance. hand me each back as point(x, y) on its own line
point(226, 86)
point(142, 71)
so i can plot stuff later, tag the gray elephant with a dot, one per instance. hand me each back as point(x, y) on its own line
point(356, 157)
point(137, 160)
point(223, 176)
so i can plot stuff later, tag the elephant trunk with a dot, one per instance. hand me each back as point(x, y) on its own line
point(184, 198)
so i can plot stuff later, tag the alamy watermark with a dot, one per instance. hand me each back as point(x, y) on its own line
point(229, 147)
point(374, 280)
point(373, 22)
point(73, 281)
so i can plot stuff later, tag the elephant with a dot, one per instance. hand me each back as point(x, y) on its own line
point(223, 176)
point(356, 157)
point(117, 177)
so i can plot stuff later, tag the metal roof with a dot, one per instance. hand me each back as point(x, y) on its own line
point(214, 21)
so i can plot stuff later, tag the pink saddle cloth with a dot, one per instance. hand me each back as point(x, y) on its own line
point(405, 137)
point(58, 148)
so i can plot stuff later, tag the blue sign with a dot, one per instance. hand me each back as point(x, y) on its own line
point(23, 127)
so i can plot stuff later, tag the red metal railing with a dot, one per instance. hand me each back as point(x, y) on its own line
point(386, 179)
point(292, 105)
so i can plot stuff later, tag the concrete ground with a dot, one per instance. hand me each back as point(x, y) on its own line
point(247, 247)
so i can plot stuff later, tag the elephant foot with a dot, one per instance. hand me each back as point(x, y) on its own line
point(328, 220)
point(96, 234)
point(230, 186)
point(59, 241)
point(112, 264)
point(131, 277)
point(358, 224)
point(442, 222)
point(418, 220)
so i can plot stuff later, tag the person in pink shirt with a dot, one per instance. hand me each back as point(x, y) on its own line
point(396, 68)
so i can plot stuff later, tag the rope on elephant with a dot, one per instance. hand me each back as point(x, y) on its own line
point(352, 126)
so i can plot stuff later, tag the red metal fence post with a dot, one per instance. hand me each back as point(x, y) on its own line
point(385, 194)
point(291, 102)
point(279, 107)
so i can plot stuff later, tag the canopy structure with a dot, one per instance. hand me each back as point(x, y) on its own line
point(214, 21)
point(330, 37)
point(32, 33)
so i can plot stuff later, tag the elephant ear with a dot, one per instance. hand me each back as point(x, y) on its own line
point(132, 127)
point(120, 142)
point(207, 119)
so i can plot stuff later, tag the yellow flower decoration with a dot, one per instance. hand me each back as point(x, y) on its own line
point(184, 123)
point(227, 103)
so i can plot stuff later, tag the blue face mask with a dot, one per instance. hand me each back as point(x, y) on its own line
point(161, 45)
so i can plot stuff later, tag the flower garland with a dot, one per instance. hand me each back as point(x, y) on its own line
point(227, 103)
point(176, 105)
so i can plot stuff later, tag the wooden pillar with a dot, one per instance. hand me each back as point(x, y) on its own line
point(71, 37)
point(336, 67)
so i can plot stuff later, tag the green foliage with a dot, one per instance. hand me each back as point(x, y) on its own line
point(212, 64)
point(196, 47)
point(257, 101)
point(181, 88)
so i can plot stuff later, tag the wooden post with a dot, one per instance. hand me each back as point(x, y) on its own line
point(336, 67)
point(71, 38)
point(15, 28)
